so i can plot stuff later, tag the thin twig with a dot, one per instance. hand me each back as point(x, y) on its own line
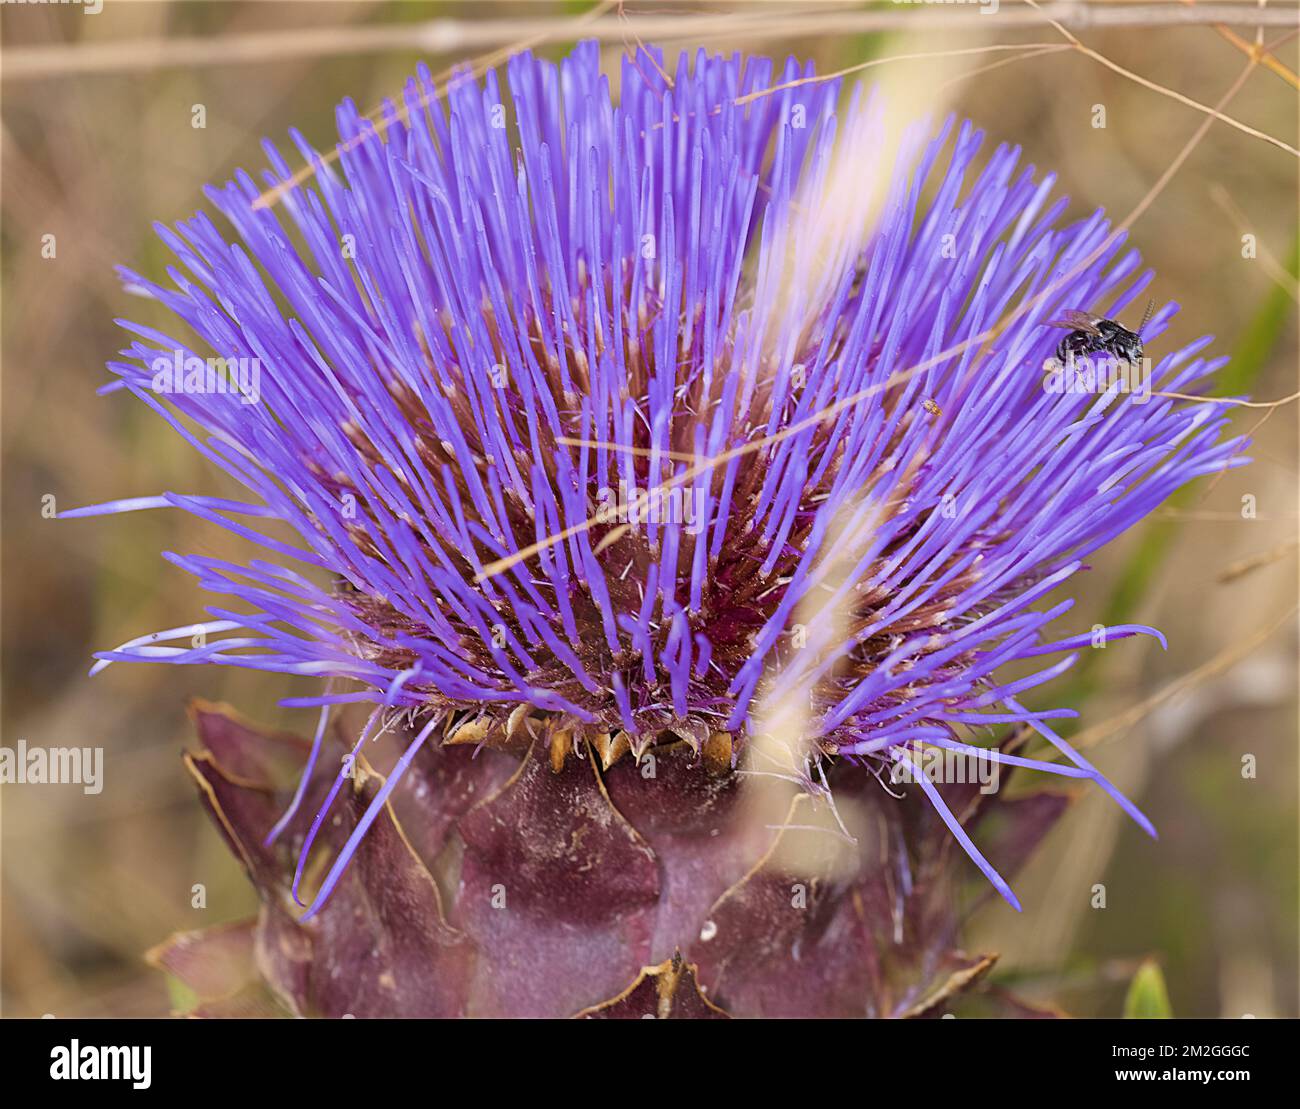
point(1244, 566)
point(920, 55)
point(1054, 48)
point(1256, 51)
point(1087, 51)
point(449, 36)
point(1275, 270)
point(1206, 515)
point(1230, 400)
point(1225, 660)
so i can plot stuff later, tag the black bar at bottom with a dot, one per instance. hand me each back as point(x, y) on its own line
point(239, 1059)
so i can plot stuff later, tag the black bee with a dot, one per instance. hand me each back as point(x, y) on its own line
point(1091, 334)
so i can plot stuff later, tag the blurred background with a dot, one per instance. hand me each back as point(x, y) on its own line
point(98, 141)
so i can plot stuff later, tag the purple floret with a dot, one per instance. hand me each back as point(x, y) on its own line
point(495, 310)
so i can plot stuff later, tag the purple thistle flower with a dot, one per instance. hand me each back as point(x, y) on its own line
point(577, 407)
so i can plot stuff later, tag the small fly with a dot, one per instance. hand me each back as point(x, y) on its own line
point(1091, 334)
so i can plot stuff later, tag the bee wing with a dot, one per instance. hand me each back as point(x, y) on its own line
point(1074, 320)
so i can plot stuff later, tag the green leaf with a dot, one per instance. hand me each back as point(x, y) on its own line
point(182, 997)
point(1147, 997)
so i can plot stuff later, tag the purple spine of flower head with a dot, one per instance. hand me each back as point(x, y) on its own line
point(500, 312)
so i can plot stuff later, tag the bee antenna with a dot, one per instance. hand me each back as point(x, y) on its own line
point(1146, 316)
